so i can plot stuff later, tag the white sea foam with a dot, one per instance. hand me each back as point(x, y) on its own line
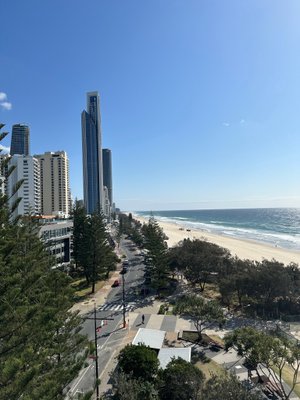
point(277, 239)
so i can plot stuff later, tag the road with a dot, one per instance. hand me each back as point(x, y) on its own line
point(111, 333)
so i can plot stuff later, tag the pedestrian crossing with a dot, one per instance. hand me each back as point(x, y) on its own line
point(116, 307)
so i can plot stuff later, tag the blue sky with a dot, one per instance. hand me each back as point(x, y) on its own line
point(199, 98)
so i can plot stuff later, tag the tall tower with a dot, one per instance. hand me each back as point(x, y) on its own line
point(20, 140)
point(92, 154)
point(55, 186)
point(107, 173)
point(28, 169)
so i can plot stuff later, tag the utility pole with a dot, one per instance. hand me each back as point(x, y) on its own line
point(96, 351)
point(96, 347)
point(124, 308)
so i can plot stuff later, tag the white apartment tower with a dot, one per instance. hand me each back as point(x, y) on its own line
point(26, 168)
point(55, 185)
point(3, 173)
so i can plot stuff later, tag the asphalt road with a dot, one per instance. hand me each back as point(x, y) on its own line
point(111, 332)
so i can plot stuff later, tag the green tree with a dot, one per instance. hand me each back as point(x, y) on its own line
point(180, 381)
point(100, 258)
point(201, 311)
point(127, 388)
point(80, 248)
point(198, 260)
point(140, 361)
point(269, 352)
point(155, 243)
point(229, 388)
point(41, 349)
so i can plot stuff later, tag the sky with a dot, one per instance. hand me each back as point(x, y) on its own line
point(199, 98)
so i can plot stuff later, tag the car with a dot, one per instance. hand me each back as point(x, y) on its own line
point(115, 284)
point(123, 270)
point(125, 263)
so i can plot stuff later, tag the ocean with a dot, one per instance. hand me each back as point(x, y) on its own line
point(279, 227)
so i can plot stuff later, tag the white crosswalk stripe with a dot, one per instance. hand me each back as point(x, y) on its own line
point(116, 307)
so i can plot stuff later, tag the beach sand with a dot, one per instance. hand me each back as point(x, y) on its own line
point(244, 249)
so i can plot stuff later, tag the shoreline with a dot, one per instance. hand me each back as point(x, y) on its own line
point(242, 248)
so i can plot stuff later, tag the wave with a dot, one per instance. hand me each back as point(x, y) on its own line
point(277, 239)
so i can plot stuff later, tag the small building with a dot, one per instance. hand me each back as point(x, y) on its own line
point(166, 354)
point(150, 337)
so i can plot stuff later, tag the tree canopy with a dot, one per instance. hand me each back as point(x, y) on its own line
point(41, 349)
point(271, 352)
point(201, 311)
point(180, 381)
point(139, 361)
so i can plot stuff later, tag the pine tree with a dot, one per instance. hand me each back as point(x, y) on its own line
point(155, 243)
point(41, 349)
point(100, 259)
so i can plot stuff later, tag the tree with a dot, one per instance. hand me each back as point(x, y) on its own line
point(202, 312)
point(198, 260)
point(92, 245)
point(155, 243)
point(230, 387)
point(140, 361)
point(80, 248)
point(100, 259)
point(127, 388)
point(269, 352)
point(41, 349)
point(180, 381)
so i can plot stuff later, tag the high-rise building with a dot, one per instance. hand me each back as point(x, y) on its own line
point(4, 158)
point(107, 173)
point(106, 208)
point(20, 140)
point(92, 154)
point(26, 168)
point(54, 181)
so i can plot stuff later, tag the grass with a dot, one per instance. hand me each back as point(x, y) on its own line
point(287, 376)
point(217, 339)
point(82, 291)
point(211, 291)
point(209, 368)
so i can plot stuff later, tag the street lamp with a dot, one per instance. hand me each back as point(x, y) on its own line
point(123, 296)
point(96, 347)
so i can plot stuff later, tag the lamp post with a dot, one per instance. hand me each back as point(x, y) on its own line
point(123, 297)
point(96, 347)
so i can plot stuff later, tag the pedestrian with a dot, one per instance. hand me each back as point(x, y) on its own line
point(143, 319)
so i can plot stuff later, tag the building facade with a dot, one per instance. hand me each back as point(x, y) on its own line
point(55, 184)
point(107, 173)
point(92, 154)
point(58, 238)
point(4, 158)
point(20, 140)
point(26, 168)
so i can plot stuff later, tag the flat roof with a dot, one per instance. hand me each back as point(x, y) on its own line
point(166, 354)
point(149, 337)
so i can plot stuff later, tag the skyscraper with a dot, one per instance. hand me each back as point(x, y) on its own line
point(20, 140)
point(107, 173)
point(92, 154)
point(26, 168)
point(55, 186)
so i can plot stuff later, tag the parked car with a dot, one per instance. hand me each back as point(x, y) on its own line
point(116, 283)
point(125, 263)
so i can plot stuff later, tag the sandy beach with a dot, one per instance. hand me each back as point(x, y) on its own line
point(244, 249)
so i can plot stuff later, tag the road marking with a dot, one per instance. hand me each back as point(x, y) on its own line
point(79, 380)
